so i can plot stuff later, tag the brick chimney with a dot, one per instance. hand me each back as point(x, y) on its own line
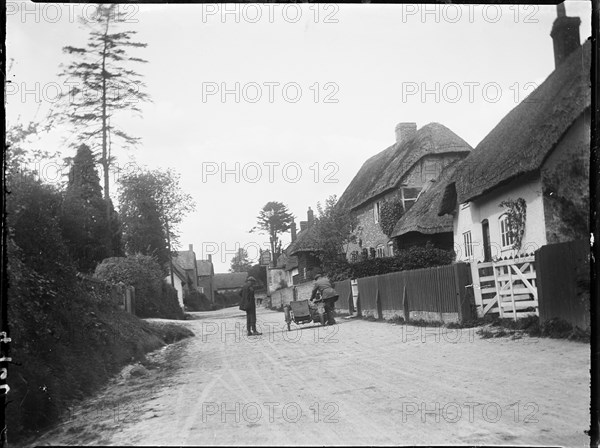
point(293, 230)
point(191, 248)
point(405, 131)
point(565, 34)
point(311, 217)
point(210, 258)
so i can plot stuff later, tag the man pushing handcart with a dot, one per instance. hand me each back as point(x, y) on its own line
point(319, 309)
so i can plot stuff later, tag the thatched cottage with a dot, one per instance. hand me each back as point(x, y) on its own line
point(230, 282)
point(397, 175)
point(535, 162)
point(183, 271)
point(299, 259)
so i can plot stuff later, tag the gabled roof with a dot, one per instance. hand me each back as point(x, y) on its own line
point(524, 138)
point(423, 216)
point(186, 259)
point(231, 280)
point(385, 170)
point(179, 272)
point(205, 268)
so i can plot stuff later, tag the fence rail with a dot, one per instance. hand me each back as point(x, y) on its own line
point(440, 293)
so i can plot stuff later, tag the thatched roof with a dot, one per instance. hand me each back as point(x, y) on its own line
point(423, 216)
point(385, 170)
point(180, 272)
point(524, 138)
point(186, 259)
point(231, 280)
point(287, 261)
point(305, 242)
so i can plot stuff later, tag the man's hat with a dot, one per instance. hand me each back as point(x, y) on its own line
point(317, 275)
point(250, 279)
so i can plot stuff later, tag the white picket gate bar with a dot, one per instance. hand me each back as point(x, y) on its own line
point(506, 287)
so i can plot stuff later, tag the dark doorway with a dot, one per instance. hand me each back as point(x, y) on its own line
point(487, 249)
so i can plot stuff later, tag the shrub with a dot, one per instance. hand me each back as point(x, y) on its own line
point(196, 301)
point(416, 257)
point(227, 299)
point(153, 297)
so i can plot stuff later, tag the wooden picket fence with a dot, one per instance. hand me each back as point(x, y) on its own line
point(506, 287)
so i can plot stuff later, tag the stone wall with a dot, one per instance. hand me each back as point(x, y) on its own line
point(284, 296)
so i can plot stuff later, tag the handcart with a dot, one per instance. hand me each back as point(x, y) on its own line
point(300, 313)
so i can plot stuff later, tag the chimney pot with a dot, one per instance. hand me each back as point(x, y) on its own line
point(293, 229)
point(311, 217)
point(191, 247)
point(565, 35)
point(210, 258)
point(405, 131)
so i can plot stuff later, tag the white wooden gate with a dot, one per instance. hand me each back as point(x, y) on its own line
point(507, 287)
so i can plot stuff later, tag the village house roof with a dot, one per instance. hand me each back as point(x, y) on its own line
point(205, 268)
point(230, 280)
point(423, 216)
point(525, 137)
point(385, 170)
point(305, 242)
point(186, 259)
point(180, 272)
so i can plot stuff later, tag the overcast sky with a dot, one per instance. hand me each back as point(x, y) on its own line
point(299, 95)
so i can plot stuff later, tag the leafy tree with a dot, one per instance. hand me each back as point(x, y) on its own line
point(152, 205)
point(83, 221)
point(274, 219)
point(333, 231)
point(259, 272)
point(102, 84)
point(32, 211)
point(240, 262)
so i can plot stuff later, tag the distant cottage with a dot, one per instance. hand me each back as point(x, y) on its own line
point(398, 175)
point(230, 282)
point(535, 162)
point(189, 274)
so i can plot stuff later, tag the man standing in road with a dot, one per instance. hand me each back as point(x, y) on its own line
point(248, 304)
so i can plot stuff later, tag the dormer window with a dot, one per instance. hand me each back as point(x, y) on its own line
point(409, 196)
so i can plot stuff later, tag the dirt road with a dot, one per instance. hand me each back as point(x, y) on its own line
point(357, 382)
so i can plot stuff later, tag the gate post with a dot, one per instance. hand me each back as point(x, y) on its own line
point(405, 307)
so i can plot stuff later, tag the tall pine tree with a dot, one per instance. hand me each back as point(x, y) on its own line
point(101, 85)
